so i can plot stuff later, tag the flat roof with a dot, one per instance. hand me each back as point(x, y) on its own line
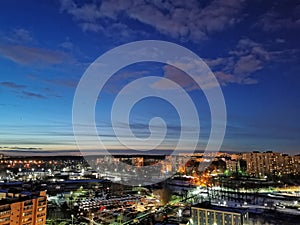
point(20, 198)
point(208, 205)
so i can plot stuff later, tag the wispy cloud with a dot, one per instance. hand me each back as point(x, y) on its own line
point(278, 19)
point(18, 148)
point(18, 36)
point(12, 85)
point(61, 81)
point(33, 95)
point(19, 90)
point(67, 44)
point(31, 55)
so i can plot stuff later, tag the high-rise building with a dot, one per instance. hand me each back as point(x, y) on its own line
point(207, 214)
point(262, 164)
point(23, 208)
point(232, 166)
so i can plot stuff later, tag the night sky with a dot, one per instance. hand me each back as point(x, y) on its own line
point(251, 46)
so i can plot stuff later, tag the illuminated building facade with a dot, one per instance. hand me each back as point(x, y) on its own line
point(23, 208)
point(208, 214)
point(262, 164)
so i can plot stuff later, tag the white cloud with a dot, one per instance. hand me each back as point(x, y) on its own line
point(237, 67)
point(247, 64)
point(178, 19)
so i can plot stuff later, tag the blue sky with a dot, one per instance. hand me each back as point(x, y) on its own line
point(251, 46)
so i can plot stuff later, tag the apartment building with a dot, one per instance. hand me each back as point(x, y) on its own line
point(262, 164)
point(23, 208)
point(207, 214)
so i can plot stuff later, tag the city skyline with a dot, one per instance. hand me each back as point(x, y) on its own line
point(252, 48)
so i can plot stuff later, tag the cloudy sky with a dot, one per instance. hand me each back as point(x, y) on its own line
point(252, 47)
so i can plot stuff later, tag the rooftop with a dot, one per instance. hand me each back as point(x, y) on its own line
point(19, 197)
point(208, 205)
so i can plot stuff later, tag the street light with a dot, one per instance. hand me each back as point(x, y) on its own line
point(72, 217)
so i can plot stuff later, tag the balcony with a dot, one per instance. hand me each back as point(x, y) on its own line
point(42, 203)
point(4, 213)
point(28, 203)
point(26, 208)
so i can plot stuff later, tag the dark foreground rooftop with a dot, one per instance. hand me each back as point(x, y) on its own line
point(208, 205)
